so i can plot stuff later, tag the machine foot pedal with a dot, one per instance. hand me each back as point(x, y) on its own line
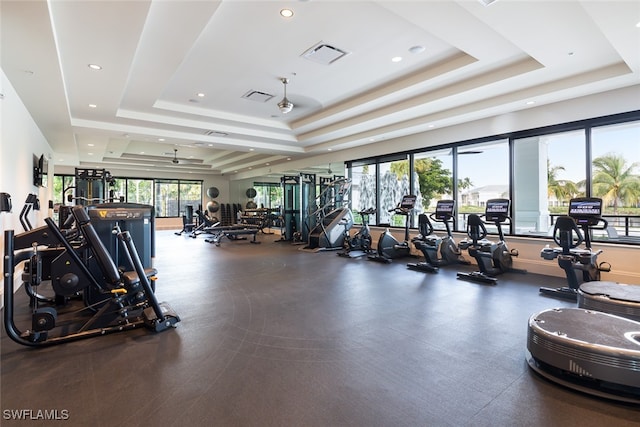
point(169, 319)
point(478, 277)
point(422, 266)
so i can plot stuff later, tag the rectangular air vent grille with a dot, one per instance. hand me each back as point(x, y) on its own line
point(215, 133)
point(324, 53)
point(256, 95)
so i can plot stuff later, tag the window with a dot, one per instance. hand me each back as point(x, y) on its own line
point(615, 177)
point(363, 189)
point(189, 194)
point(394, 183)
point(549, 170)
point(118, 189)
point(482, 174)
point(432, 180)
point(166, 200)
point(62, 185)
point(268, 194)
point(140, 191)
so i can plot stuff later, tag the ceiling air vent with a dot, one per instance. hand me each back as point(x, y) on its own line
point(323, 53)
point(256, 95)
point(215, 133)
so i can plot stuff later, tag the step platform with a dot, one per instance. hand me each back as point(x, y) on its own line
point(589, 351)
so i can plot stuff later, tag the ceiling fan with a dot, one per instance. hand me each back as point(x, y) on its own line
point(285, 105)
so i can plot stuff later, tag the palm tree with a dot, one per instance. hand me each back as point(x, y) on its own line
point(560, 188)
point(614, 181)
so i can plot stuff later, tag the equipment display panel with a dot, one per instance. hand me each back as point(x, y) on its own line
point(585, 207)
point(497, 206)
point(408, 201)
point(445, 208)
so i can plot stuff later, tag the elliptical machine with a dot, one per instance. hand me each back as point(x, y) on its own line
point(360, 243)
point(437, 251)
point(388, 247)
point(569, 232)
point(493, 258)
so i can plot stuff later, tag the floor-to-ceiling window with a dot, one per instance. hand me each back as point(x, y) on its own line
point(432, 181)
point(268, 195)
point(394, 183)
point(549, 170)
point(482, 174)
point(615, 177)
point(363, 189)
point(140, 191)
point(189, 194)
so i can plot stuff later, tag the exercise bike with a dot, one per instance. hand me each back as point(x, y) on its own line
point(437, 251)
point(493, 258)
point(360, 243)
point(388, 247)
point(569, 232)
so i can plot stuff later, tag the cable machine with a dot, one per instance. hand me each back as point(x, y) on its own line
point(298, 192)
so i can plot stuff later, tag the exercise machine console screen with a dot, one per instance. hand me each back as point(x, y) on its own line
point(585, 210)
point(444, 209)
point(408, 202)
point(497, 210)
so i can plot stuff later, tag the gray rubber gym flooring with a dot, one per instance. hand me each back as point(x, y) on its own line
point(274, 336)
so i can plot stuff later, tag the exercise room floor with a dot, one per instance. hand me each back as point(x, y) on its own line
point(274, 336)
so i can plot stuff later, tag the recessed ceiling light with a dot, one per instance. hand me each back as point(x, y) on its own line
point(161, 139)
point(93, 106)
point(201, 95)
point(90, 145)
point(396, 59)
point(288, 158)
point(286, 13)
point(95, 67)
point(417, 49)
point(430, 126)
point(638, 24)
point(329, 149)
point(530, 102)
point(90, 154)
point(267, 164)
point(251, 149)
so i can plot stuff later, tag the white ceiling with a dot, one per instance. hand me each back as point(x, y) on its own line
point(156, 56)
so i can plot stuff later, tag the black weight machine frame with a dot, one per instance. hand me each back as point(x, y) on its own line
point(127, 298)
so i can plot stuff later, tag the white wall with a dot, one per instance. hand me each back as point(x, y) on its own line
point(20, 140)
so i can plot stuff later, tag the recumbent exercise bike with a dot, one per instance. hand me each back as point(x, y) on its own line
point(569, 232)
point(388, 247)
point(493, 258)
point(437, 251)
